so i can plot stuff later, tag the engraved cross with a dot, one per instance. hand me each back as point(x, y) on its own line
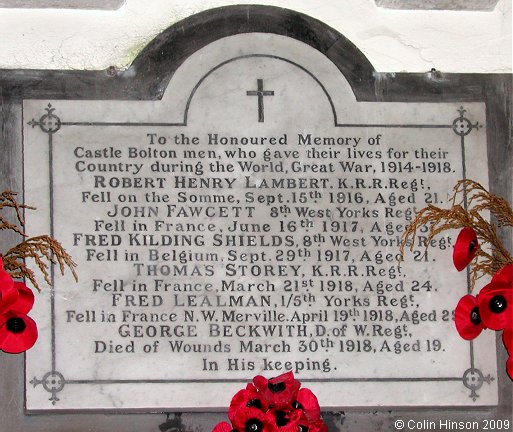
point(260, 92)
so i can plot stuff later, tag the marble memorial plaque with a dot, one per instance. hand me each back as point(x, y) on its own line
point(249, 223)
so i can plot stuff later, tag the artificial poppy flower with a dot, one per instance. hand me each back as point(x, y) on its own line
point(284, 420)
point(8, 293)
point(18, 332)
point(317, 426)
point(504, 276)
point(222, 427)
point(248, 397)
point(250, 420)
point(496, 306)
point(467, 318)
point(465, 248)
point(507, 339)
point(25, 299)
point(279, 391)
point(275, 405)
point(308, 403)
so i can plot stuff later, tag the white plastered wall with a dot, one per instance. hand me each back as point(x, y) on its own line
point(393, 40)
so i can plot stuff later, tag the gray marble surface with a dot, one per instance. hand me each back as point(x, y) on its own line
point(381, 162)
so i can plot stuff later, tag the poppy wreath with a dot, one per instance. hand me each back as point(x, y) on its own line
point(492, 307)
point(273, 405)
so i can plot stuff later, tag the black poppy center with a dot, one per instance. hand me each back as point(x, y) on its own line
point(15, 325)
point(303, 428)
point(254, 425)
point(297, 405)
point(254, 403)
point(498, 304)
point(472, 246)
point(276, 388)
point(281, 418)
point(475, 318)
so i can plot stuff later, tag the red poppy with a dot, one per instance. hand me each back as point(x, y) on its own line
point(248, 397)
point(504, 276)
point(250, 420)
point(222, 427)
point(496, 306)
point(317, 426)
point(8, 293)
point(25, 299)
point(467, 318)
point(465, 248)
point(284, 420)
point(18, 332)
point(308, 403)
point(280, 391)
point(507, 339)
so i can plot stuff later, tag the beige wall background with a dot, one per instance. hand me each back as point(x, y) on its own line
point(394, 40)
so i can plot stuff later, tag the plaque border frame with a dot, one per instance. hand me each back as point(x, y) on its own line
point(147, 79)
point(49, 123)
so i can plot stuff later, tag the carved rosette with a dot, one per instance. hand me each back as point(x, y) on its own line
point(48, 122)
point(53, 382)
point(474, 379)
point(462, 126)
